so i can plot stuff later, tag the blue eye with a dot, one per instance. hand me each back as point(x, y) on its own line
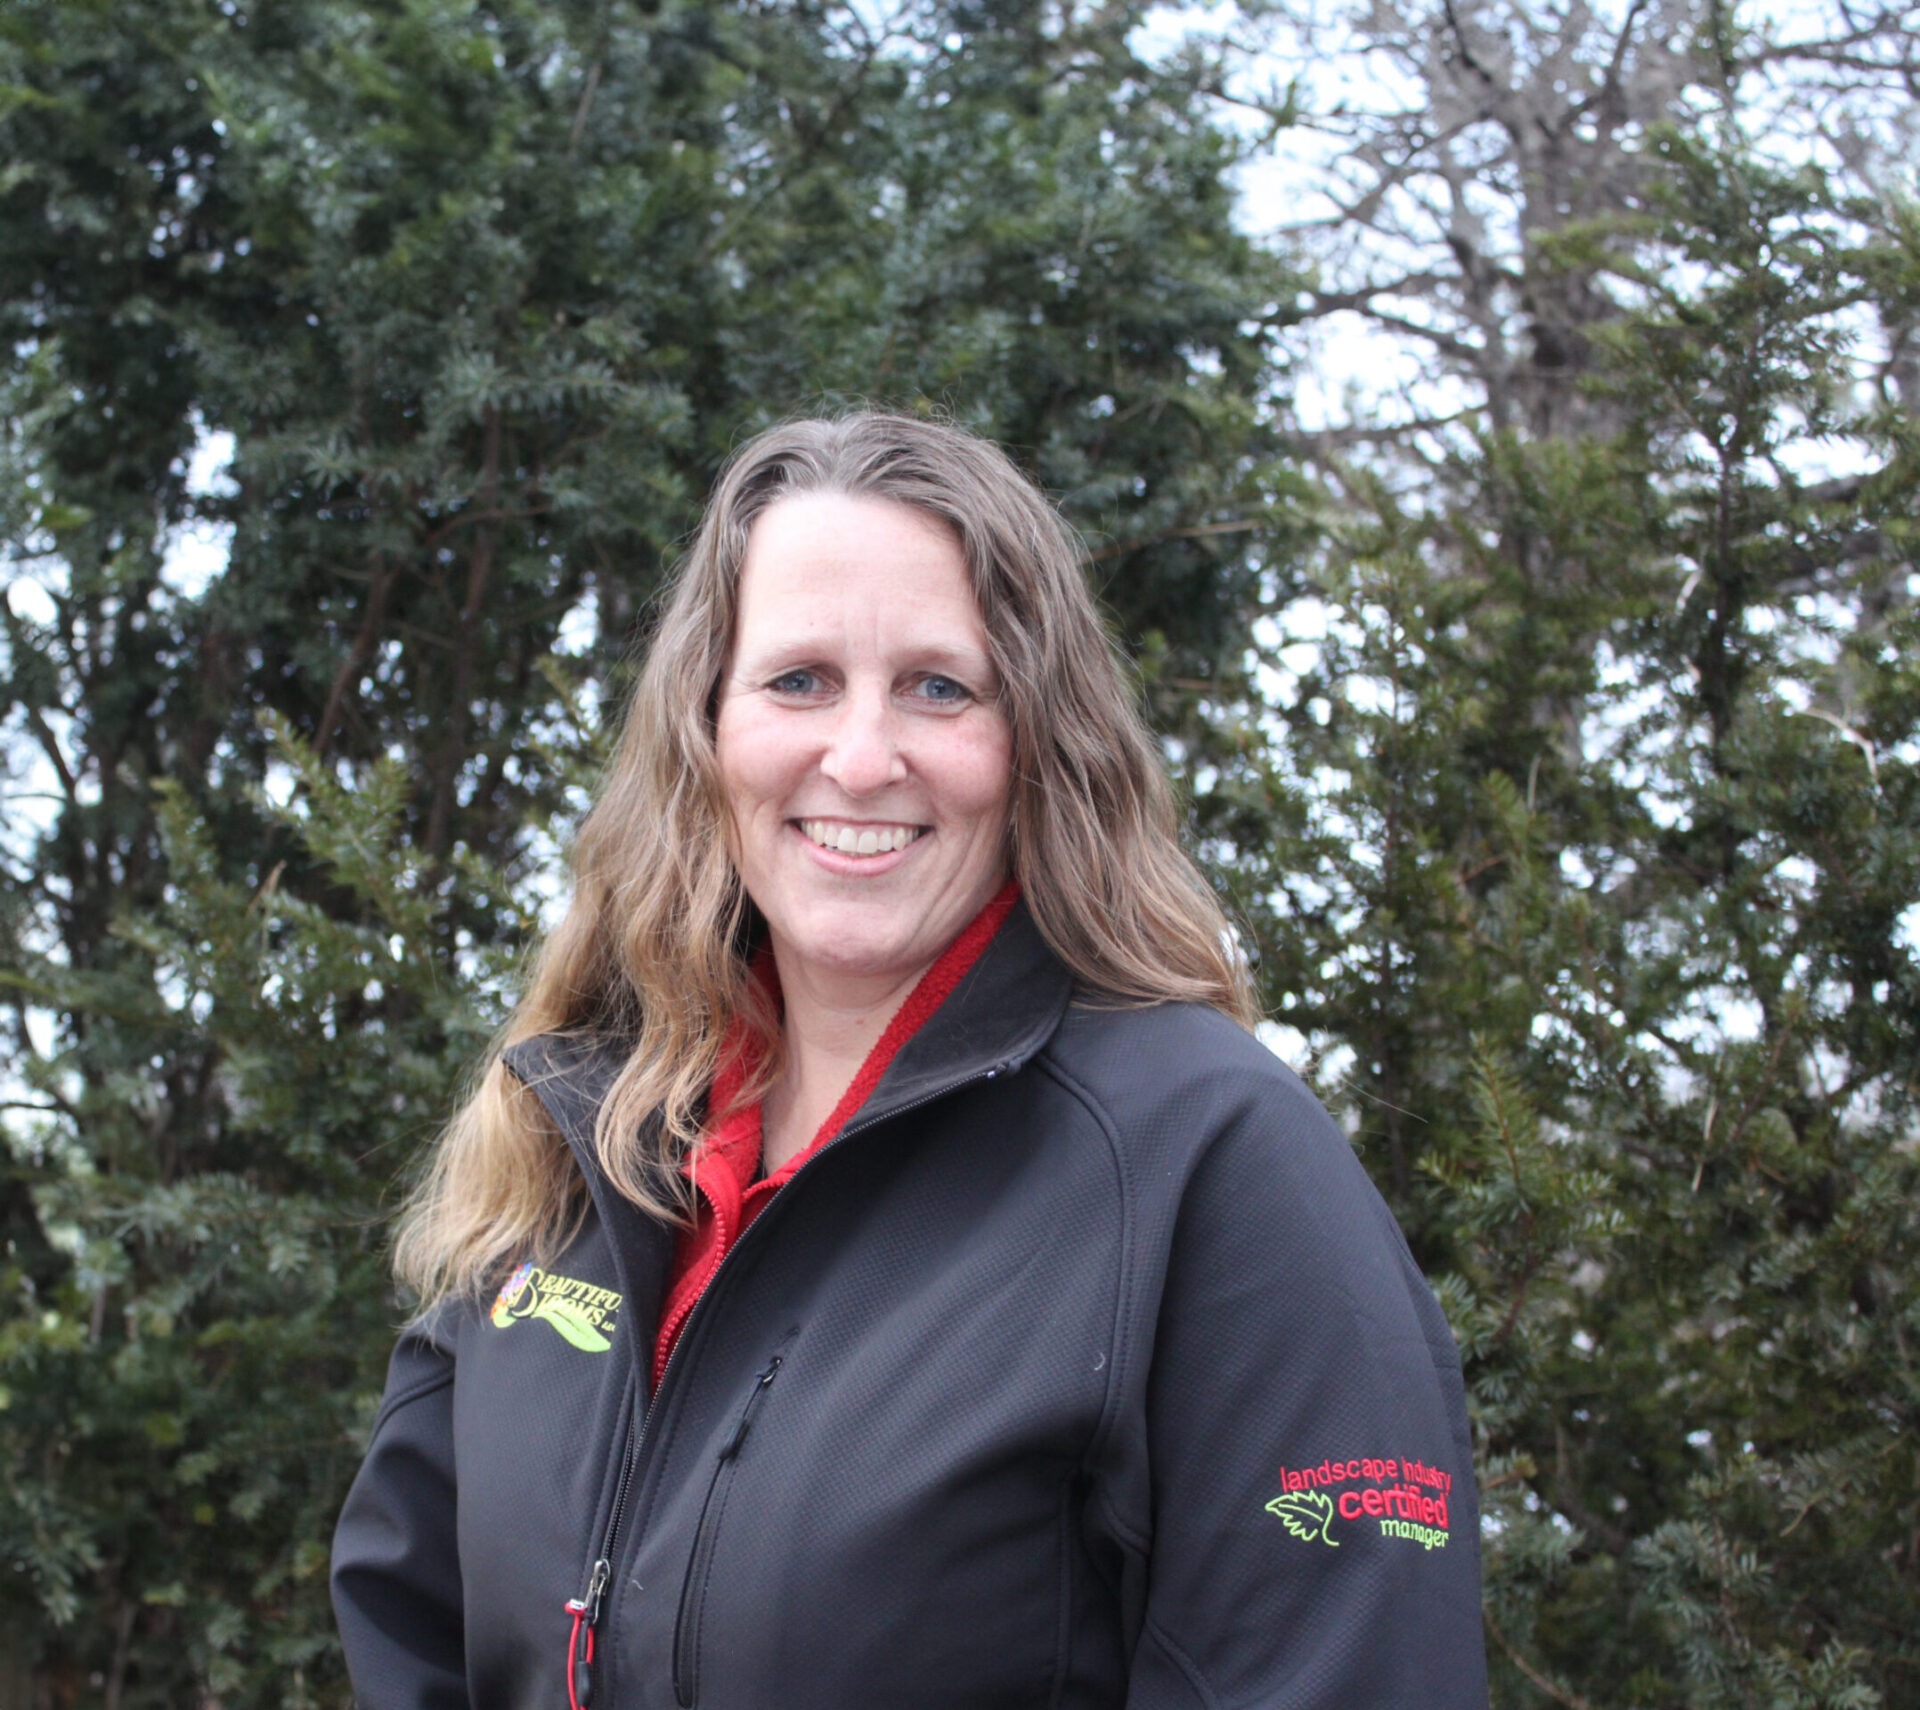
point(943, 690)
point(797, 682)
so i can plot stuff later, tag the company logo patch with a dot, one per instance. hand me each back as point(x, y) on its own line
point(1405, 1498)
point(579, 1312)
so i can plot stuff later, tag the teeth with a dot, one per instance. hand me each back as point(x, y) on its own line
point(859, 840)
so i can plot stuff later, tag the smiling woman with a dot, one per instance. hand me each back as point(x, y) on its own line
point(864, 754)
point(915, 1278)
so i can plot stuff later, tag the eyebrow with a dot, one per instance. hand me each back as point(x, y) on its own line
point(965, 659)
point(799, 650)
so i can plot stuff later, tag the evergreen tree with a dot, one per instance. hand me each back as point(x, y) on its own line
point(479, 295)
point(1593, 859)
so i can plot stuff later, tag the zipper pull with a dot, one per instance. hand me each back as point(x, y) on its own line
point(586, 1613)
point(738, 1435)
point(596, 1589)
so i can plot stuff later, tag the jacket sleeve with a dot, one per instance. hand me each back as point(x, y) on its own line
point(1305, 1528)
point(396, 1565)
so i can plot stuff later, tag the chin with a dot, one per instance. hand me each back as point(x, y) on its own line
point(852, 943)
point(847, 954)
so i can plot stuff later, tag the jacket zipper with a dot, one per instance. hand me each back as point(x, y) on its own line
point(585, 1609)
point(686, 1625)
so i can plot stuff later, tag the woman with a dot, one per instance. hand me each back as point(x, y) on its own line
point(919, 1286)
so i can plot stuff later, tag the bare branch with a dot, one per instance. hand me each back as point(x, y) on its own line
point(358, 654)
point(1457, 348)
point(1203, 531)
point(1331, 302)
point(1552, 1688)
point(1312, 441)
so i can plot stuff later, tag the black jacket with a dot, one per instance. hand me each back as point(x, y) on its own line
point(1085, 1368)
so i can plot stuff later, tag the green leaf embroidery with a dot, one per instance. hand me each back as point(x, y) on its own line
point(1308, 1514)
point(573, 1324)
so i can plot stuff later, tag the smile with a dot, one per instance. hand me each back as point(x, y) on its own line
point(859, 839)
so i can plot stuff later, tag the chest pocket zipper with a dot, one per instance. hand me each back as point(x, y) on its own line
point(693, 1590)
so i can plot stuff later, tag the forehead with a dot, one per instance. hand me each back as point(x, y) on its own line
point(832, 565)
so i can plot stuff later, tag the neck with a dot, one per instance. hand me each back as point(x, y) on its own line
point(834, 1026)
point(828, 1030)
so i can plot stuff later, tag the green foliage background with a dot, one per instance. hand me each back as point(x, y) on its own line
point(1576, 845)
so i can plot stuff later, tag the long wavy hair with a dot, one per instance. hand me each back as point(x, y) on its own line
point(652, 958)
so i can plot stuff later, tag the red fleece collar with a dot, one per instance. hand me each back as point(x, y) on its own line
point(723, 1168)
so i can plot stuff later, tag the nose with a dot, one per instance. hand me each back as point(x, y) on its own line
point(863, 750)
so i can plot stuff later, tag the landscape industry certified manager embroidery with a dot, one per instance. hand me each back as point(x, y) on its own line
point(1407, 1499)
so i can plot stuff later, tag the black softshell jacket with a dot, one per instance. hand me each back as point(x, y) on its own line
point(1085, 1368)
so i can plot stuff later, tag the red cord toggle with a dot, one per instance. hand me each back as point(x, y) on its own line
point(575, 1660)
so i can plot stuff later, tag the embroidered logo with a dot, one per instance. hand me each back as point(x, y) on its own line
point(1408, 1499)
point(579, 1312)
point(1308, 1515)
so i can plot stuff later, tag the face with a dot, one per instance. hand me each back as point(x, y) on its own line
point(866, 762)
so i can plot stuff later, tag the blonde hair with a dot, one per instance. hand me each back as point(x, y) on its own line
point(652, 956)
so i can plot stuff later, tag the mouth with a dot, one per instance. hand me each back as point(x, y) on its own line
point(845, 838)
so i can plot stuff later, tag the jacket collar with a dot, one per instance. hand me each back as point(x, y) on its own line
point(1002, 1012)
point(996, 1019)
